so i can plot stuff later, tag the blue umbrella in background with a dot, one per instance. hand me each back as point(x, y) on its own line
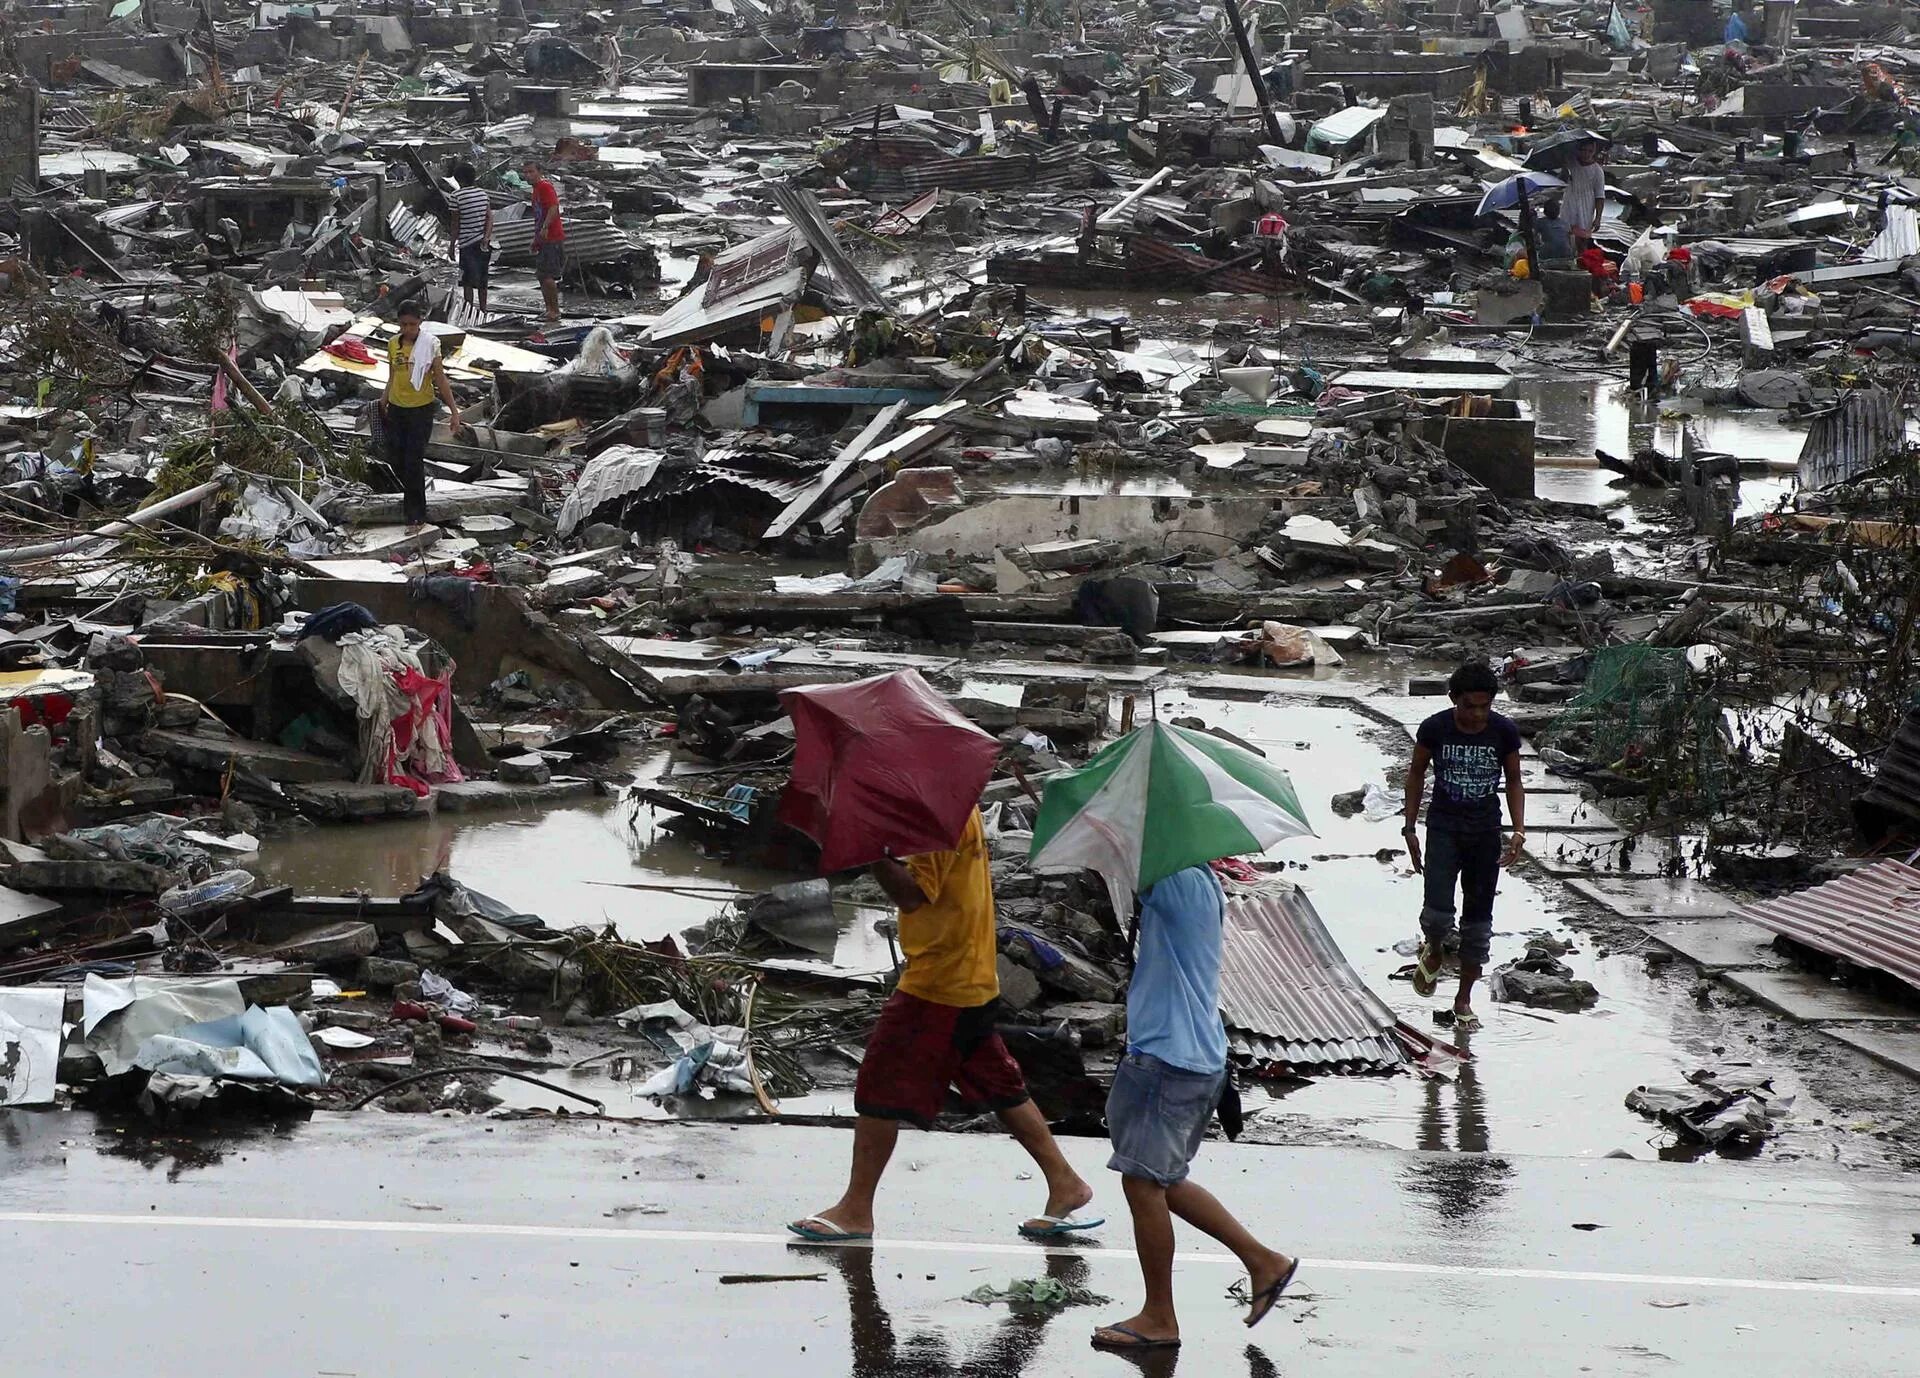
point(1502, 196)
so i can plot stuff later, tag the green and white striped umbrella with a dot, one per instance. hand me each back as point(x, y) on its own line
point(1161, 799)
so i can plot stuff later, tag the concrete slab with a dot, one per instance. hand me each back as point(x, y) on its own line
point(1894, 1047)
point(1812, 999)
point(469, 795)
point(1225, 686)
point(1636, 897)
point(1038, 669)
point(1716, 945)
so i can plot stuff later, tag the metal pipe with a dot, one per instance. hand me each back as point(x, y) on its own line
point(113, 530)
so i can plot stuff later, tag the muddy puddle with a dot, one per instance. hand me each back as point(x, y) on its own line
point(1574, 417)
point(571, 865)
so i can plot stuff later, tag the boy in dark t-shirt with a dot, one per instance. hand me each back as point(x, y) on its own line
point(1473, 752)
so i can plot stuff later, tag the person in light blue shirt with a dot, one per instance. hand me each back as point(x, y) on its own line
point(1164, 1093)
point(1736, 31)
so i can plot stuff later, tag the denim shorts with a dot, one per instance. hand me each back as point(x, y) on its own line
point(1157, 1117)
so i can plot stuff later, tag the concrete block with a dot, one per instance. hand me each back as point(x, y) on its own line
point(1019, 988)
point(1716, 945)
point(1633, 897)
point(1099, 1023)
point(1809, 998)
point(334, 942)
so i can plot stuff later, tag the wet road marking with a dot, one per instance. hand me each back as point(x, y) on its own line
point(935, 1246)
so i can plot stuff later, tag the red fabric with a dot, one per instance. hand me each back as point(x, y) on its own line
point(430, 710)
point(44, 710)
point(919, 1049)
point(882, 766)
point(1597, 263)
point(352, 350)
point(546, 198)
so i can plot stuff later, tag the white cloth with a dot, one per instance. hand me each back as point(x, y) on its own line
point(426, 348)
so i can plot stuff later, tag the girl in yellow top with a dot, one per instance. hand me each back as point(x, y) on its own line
point(414, 377)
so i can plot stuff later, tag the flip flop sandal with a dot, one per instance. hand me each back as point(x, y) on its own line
point(1426, 979)
point(1057, 1225)
point(1264, 1300)
point(1134, 1341)
point(833, 1234)
point(1466, 1020)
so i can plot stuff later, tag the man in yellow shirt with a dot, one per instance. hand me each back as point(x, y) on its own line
point(937, 1032)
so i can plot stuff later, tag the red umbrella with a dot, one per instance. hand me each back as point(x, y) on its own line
point(882, 766)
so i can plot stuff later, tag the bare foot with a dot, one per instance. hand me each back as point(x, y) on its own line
point(1139, 1332)
point(839, 1218)
point(1062, 1202)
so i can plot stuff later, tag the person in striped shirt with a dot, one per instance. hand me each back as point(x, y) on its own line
point(472, 233)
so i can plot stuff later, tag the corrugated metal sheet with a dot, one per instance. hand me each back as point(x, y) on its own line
point(1892, 802)
point(1291, 1001)
point(981, 173)
point(1871, 918)
point(1854, 436)
point(1199, 270)
point(1898, 238)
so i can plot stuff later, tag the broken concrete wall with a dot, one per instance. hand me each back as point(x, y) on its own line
point(20, 133)
point(1214, 525)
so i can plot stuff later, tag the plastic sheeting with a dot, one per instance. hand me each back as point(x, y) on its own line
point(882, 767)
point(118, 1017)
point(256, 1045)
point(31, 1022)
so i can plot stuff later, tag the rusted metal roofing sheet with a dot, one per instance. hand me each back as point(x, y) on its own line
point(1871, 918)
point(1290, 1000)
point(1861, 432)
point(1892, 802)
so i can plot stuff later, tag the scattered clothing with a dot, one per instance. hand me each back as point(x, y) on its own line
point(1468, 770)
point(406, 714)
point(337, 619)
point(1049, 1294)
point(351, 349)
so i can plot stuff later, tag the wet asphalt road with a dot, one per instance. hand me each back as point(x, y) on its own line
point(393, 1245)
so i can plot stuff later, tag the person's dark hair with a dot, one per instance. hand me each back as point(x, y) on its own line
point(1473, 679)
point(412, 306)
point(464, 174)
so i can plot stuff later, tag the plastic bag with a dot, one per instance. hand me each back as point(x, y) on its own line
point(1377, 805)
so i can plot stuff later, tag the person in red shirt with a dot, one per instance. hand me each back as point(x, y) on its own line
point(549, 238)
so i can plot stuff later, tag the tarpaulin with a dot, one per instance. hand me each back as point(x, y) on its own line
point(257, 1045)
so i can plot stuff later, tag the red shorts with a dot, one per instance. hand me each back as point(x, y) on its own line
point(919, 1049)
